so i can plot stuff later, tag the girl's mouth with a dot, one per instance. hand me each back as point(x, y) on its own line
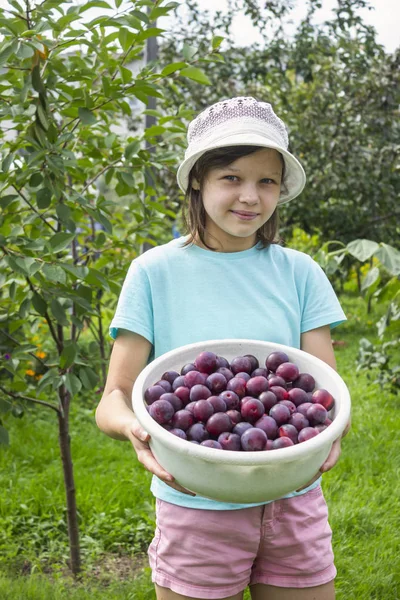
point(244, 215)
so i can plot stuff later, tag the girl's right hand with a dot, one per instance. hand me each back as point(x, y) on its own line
point(139, 439)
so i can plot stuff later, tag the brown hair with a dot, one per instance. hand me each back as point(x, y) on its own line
point(193, 212)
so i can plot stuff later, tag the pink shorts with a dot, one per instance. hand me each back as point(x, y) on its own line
point(214, 554)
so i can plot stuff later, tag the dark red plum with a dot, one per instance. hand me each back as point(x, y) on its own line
point(231, 400)
point(197, 433)
point(268, 399)
point(194, 378)
point(297, 396)
point(323, 397)
point(237, 385)
point(217, 403)
point(188, 367)
point(327, 421)
point(241, 427)
point(190, 406)
point(234, 416)
point(260, 372)
point(276, 380)
point(299, 421)
point(256, 386)
point(199, 392)
point(222, 362)
point(269, 445)
point(166, 426)
point(282, 442)
point(320, 427)
point(289, 431)
point(183, 419)
point(305, 382)
point(252, 410)
point(211, 444)
point(161, 411)
point(179, 433)
point(227, 373)
point(206, 362)
point(279, 392)
point(183, 393)
point(170, 376)
point(316, 414)
point(153, 393)
point(303, 408)
point(290, 405)
point(309, 396)
point(164, 384)
point(288, 370)
point(253, 440)
point(241, 363)
point(178, 382)
point(216, 382)
point(174, 400)
point(229, 441)
point(268, 425)
point(254, 361)
point(275, 359)
point(306, 434)
point(203, 410)
point(243, 375)
point(280, 413)
point(218, 423)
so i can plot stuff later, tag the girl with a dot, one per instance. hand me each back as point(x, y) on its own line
point(227, 278)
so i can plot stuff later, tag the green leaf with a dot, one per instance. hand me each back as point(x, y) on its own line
point(42, 117)
point(189, 51)
point(390, 258)
point(97, 279)
point(35, 180)
point(72, 383)
point(77, 271)
point(5, 406)
point(39, 304)
point(196, 75)
point(86, 116)
point(154, 130)
point(6, 200)
point(43, 198)
point(217, 41)
point(68, 355)
point(126, 38)
point(7, 162)
point(362, 249)
point(171, 68)
point(370, 278)
point(88, 378)
point(59, 313)
point(93, 4)
point(7, 51)
point(132, 149)
point(37, 82)
point(4, 438)
point(61, 240)
point(54, 273)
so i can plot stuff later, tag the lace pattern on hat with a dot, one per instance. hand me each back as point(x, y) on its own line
point(224, 111)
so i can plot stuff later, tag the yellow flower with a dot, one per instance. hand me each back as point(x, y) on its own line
point(38, 377)
point(30, 372)
point(41, 354)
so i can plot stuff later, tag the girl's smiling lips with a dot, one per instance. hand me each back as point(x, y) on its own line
point(244, 214)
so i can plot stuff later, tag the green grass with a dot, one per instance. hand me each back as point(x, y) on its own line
point(116, 509)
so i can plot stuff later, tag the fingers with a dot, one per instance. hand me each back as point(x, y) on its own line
point(333, 457)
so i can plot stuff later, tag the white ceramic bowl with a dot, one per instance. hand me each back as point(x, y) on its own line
point(242, 477)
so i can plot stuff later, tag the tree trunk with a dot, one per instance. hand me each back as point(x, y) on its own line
point(72, 516)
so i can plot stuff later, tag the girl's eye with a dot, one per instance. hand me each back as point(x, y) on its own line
point(267, 180)
point(230, 177)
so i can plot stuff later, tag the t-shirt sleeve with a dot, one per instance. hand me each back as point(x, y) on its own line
point(320, 303)
point(134, 309)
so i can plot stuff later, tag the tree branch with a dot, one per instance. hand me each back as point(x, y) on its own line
point(34, 209)
point(28, 399)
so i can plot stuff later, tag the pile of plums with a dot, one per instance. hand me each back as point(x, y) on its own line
point(239, 405)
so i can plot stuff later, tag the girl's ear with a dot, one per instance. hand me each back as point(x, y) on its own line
point(195, 184)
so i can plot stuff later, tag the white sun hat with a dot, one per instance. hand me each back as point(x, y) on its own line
point(242, 121)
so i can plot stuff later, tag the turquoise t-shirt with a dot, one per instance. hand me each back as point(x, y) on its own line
point(175, 295)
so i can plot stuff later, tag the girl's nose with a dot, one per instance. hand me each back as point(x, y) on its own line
point(248, 194)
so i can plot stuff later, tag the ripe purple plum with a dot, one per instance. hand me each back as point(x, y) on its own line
point(222, 362)
point(153, 393)
point(188, 367)
point(268, 399)
point(282, 442)
point(243, 375)
point(227, 373)
point(269, 445)
point(280, 413)
point(237, 385)
point(234, 416)
point(320, 427)
point(203, 410)
point(289, 431)
point(297, 396)
point(260, 372)
point(199, 392)
point(306, 434)
point(197, 433)
point(179, 433)
point(254, 361)
point(268, 425)
point(276, 380)
point(217, 403)
point(211, 444)
point(178, 382)
point(190, 407)
point(161, 411)
point(256, 386)
point(231, 400)
point(241, 427)
point(174, 400)
point(170, 376)
point(316, 414)
point(299, 421)
point(303, 408)
point(164, 384)
point(229, 441)
point(275, 359)
point(253, 440)
point(206, 362)
point(323, 397)
point(216, 382)
point(194, 378)
point(305, 381)
point(290, 405)
point(241, 363)
point(252, 409)
point(219, 423)
point(279, 392)
point(183, 393)
point(288, 370)
point(183, 419)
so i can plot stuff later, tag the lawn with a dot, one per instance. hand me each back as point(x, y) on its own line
point(116, 509)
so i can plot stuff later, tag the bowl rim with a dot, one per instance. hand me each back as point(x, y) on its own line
point(280, 455)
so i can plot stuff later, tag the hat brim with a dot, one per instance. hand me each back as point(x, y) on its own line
point(295, 177)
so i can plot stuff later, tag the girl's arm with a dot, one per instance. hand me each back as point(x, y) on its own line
point(114, 415)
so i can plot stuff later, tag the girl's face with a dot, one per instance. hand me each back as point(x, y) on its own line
point(240, 198)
